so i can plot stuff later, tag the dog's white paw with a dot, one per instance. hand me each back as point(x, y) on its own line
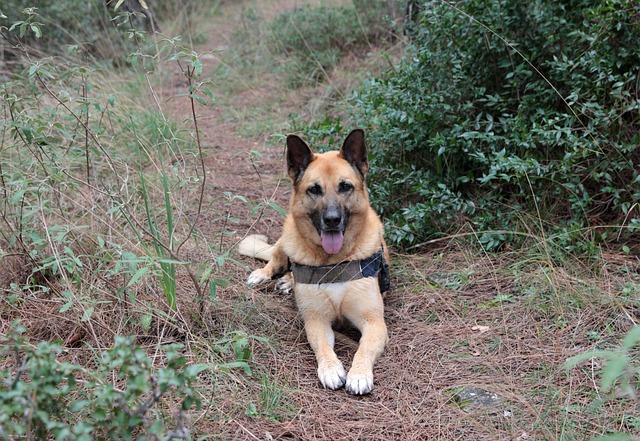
point(258, 277)
point(359, 384)
point(332, 377)
point(285, 284)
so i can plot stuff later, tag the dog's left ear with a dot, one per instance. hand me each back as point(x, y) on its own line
point(354, 151)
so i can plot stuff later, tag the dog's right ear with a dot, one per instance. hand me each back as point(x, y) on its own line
point(299, 155)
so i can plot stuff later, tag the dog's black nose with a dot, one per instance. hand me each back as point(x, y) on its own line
point(332, 217)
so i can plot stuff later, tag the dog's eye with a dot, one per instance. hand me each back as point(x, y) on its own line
point(314, 189)
point(345, 187)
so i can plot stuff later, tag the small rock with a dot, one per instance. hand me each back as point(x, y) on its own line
point(474, 397)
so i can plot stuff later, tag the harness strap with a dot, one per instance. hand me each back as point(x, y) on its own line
point(373, 266)
point(341, 272)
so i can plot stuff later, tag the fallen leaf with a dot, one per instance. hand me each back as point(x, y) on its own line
point(480, 328)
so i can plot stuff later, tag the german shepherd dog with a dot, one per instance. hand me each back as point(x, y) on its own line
point(332, 252)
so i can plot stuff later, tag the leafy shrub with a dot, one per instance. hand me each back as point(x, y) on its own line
point(505, 108)
point(44, 397)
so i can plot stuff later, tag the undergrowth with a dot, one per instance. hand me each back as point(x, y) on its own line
point(500, 111)
point(89, 25)
point(311, 40)
point(102, 199)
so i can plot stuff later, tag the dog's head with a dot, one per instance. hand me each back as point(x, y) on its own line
point(329, 188)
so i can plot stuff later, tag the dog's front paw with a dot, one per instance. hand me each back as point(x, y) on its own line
point(285, 284)
point(258, 277)
point(332, 376)
point(359, 384)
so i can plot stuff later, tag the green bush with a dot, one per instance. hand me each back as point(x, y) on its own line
point(43, 397)
point(506, 112)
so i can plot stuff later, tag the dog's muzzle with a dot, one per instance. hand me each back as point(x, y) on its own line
point(331, 225)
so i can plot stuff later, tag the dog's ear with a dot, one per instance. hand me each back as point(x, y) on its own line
point(354, 151)
point(299, 155)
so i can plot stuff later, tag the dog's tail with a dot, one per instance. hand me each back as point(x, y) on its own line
point(256, 246)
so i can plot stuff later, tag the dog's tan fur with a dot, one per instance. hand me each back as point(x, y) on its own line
point(321, 305)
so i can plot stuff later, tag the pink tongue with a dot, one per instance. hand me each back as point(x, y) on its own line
point(332, 241)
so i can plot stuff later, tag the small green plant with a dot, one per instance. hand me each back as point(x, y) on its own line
point(238, 343)
point(42, 396)
point(499, 300)
point(29, 23)
point(162, 251)
point(271, 404)
point(620, 374)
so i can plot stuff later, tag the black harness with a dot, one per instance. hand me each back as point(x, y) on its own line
point(373, 266)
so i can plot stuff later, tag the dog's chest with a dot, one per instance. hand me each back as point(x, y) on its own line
point(335, 293)
point(338, 300)
point(325, 298)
